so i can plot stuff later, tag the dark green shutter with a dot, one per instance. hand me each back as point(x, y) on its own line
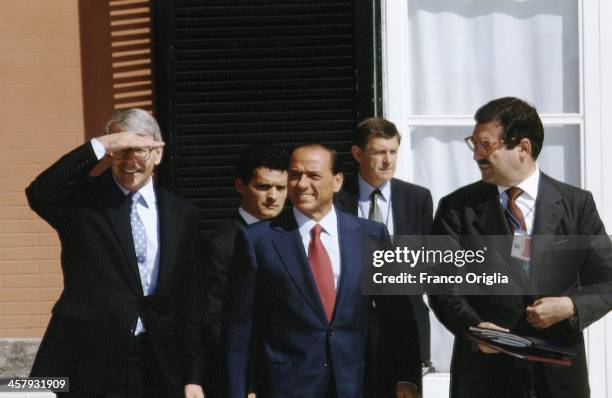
point(230, 73)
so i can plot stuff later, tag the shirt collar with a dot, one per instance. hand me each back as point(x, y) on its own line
point(365, 189)
point(329, 223)
point(247, 217)
point(529, 185)
point(147, 193)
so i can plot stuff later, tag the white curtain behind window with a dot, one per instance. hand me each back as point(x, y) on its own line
point(465, 52)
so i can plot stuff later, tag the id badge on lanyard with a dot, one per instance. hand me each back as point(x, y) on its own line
point(521, 246)
point(521, 243)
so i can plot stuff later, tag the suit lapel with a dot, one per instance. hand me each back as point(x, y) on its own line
point(168, 232)
point(401, 208)
point(349, 238)
point(490, 218)
point(548, 213)
point(290, 249)
point(118, 208)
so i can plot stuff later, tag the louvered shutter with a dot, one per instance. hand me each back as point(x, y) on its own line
point(230, 73)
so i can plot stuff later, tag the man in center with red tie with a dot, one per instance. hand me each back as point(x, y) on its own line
point(298, 282)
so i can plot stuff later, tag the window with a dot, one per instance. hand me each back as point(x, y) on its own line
point(462, 53)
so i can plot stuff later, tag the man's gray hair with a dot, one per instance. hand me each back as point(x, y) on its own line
point(135, 119)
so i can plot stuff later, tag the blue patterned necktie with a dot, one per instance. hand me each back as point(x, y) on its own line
point(140, 241)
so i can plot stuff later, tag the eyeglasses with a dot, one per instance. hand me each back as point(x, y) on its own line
point(485, 147)
point(138, 153)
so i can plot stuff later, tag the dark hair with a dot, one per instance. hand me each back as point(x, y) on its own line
point(333, 154)
point(518, 119)
point(260, 155)
point(374, 127)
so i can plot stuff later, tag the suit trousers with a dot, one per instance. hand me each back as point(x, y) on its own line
point(144, 375)
point(539, 388)
point(331, 387)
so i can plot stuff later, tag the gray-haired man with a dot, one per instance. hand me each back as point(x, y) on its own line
point(128, 253)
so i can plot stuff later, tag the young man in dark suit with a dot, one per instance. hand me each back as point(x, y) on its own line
point(261, 181)
point(128, 254)
point(406, 209)
point(573, 284)
point(298, 286)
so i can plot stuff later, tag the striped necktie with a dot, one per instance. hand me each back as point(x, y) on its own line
point(374, 213)
point(515, 216)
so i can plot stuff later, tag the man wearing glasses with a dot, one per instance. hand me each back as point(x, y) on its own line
point(128, 258)
point(517, 200)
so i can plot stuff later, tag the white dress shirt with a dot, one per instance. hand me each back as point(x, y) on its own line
point(383, 203)
point(147, 211)
point(527, 200)
point(247, 217)
point(329, 237)
point(98, 148)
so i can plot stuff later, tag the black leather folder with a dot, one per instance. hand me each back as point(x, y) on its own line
point(523, 347)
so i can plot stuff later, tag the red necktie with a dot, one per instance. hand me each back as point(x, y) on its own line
point(517, 214)
point(321, 267)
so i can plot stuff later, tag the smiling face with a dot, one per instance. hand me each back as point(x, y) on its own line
point(264, 195)
point(377, 160)
point(130, 172)
point(312, 183)
point(498, 164)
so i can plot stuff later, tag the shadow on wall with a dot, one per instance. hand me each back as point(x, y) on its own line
point(116, 59)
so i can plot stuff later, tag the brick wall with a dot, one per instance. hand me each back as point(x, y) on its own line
point(42, 118)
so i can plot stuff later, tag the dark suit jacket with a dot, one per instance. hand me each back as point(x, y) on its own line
point(475, 211)
point(411, 205)
point(216, 273)
point(91, 330)
point(298, 350)
point(219, 254)
point(412, 215)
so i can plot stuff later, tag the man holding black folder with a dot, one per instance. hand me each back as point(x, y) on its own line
point(517, 200)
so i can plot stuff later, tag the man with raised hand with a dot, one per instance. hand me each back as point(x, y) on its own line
point(128, 258)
